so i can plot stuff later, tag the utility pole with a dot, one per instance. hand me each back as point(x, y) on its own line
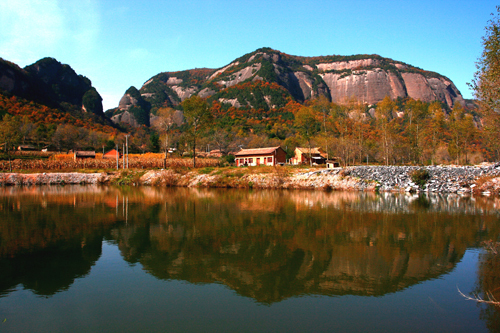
point(126, 140)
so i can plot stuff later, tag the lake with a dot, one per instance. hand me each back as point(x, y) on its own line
point(91, 258)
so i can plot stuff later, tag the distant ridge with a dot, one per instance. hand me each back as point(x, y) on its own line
point(267, 78)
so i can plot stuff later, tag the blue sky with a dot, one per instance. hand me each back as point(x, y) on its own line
point(117, 44)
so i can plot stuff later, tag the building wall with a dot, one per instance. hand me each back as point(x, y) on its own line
point(278, 156)
point(255, 160)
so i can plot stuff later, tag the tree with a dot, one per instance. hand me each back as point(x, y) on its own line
point(486, 82)
point(222, 139)
point(416, 114)
point(154, 142)
point(164, 124)
point(26, 129)
point(307, 125)
point(323, 106)
point(436, 128)
point(68, 136)
point(9, 133)
point(462, 130)
point(198, 116)
point(384, 114)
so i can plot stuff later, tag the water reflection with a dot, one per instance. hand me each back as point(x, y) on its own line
point(488, 287)
point(267, 245)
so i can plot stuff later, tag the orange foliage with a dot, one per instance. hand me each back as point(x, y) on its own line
point(38, 113)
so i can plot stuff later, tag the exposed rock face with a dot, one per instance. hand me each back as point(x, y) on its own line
point(126, 102)
point(366, 86)
point(347, 64)
point(240, 76)
point(183, 93)
point(132, 109)
point(234, 102)
point(366, 78)
point(441, 89)
point(207, 92)
point(305, 84)
point(125, 118)
point(177, 118)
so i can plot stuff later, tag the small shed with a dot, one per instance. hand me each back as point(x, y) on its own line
point(112, 154)
point(83, 154)
point(330, 164)
point(26, 148)
point(215, 153)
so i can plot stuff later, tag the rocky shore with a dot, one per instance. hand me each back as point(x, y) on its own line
point(483, 179)
point(56, 178)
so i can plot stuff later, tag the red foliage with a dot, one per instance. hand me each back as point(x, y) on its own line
point(38, 113)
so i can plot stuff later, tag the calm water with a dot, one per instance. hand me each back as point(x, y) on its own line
point(104, 259)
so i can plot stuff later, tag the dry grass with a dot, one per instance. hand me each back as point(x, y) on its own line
point(166, 178)
point(61, 162)
point(487, 183)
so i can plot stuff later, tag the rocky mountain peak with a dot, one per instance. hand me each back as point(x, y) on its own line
point(367, 78)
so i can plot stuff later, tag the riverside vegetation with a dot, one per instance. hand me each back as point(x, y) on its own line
point(482, 179)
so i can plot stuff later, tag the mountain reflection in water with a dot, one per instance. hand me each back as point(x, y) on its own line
point(267, 245)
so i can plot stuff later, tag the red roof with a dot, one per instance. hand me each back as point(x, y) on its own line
point(257, 151)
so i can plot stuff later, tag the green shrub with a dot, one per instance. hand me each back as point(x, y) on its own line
point(420, 177)
point(206, 170)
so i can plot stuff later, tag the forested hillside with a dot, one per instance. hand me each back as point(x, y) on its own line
point(359, 109)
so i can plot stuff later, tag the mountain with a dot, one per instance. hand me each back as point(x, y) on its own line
point(50, 83)
point(268, 79)
point(133, 110)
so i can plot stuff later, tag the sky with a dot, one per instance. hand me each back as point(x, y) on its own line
point(118, 44)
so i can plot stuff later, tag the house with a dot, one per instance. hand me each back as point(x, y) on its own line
point(112, 154)
point(304, 155)
point(26, 148)
point(83, 154)
point(260, 156)
point(215, 153)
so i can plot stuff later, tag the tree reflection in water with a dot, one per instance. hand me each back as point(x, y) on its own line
point(267, 245)
point(488, 285)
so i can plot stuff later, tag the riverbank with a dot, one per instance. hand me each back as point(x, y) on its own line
point(483, 179)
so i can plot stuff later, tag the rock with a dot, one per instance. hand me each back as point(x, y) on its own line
point(369, 79)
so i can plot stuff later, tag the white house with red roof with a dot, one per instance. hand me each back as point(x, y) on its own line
point(260, 156)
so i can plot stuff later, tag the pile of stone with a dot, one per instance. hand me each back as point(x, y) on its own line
point(443, 179)
point(56, 178)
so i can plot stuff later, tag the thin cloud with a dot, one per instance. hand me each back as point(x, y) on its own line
point(29, 28)
point(32, 29)
point(138, 54)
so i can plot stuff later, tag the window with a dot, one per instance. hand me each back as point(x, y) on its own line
point(269, 160)
point(250, 160)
